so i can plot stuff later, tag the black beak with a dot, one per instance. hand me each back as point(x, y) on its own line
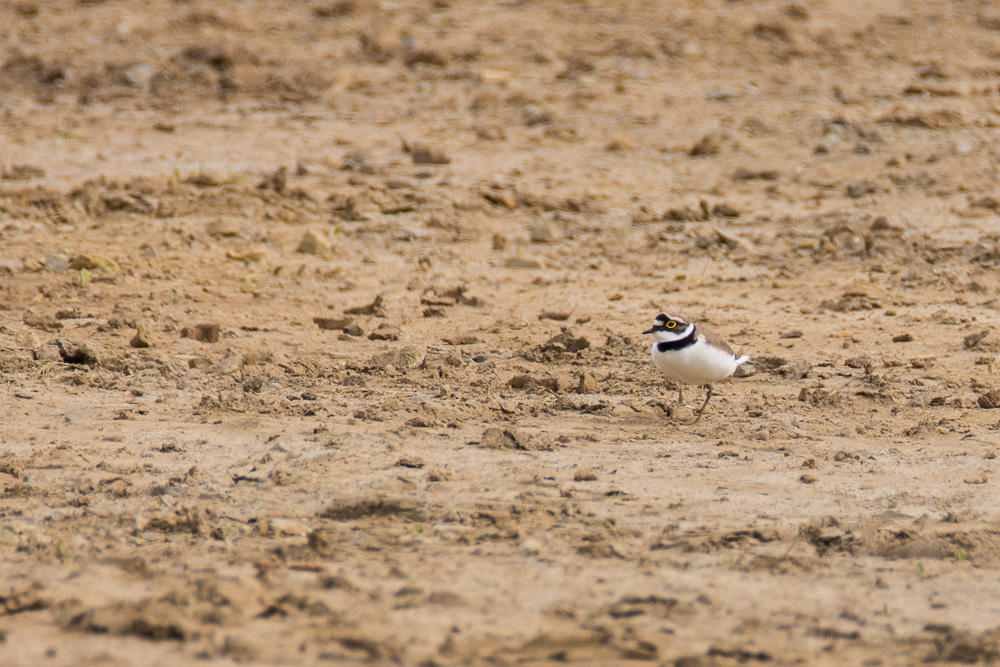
point(649, 331)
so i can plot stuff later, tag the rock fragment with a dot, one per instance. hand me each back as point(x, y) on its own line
point(204, 333)
point(385, 332)
point(508, 438)
point(141, 339)
point(332, 323)
point(376, 308)
point(222, 227)
point(546, 232)
point(314, 243)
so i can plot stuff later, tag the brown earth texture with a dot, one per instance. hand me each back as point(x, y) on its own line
point(321, 332)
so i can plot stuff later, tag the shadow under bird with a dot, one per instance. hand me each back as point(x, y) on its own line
point(691, 354)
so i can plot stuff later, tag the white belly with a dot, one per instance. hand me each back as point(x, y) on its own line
point(696, 364)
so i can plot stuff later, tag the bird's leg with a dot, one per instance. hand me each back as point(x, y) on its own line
point(702, 409)
point(680, 394)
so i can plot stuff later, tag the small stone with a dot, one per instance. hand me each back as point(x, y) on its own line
point(84, 262)
point(902, 338)
point(222, 227)
point(508, 438)
point(229, 364)
point(501, 198)
point(546, 232)
point(744, 371)
point(972, 340)
point(587, 384)
point(499, 242)
point(376, 308)
point(204, 333)
point(289, 527)
point(141, 338)
point(314, 243)
point(584, 476)
point(407, 462)
point(706, 146)
point(332, 323)
point(808, 479)
point(427, 155)
point(354, 330)
point(44, 322)
point(407, 357)
point(558, 384)
point(26, 340)
point(521, 263)
point(73, 353)
point(385, 332)
point(794, 333)
point(202, 363)
point(247, 255)
point(55, 263)
point(552, 315)
point(140, 75)
point(989, 400)
point(356, 210)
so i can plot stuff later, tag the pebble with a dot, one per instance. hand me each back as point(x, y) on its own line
point(222, 227)
point(587, 384)
point(376, 308)
point(428, 155)
point(55, 263)
point(973, 339)
point(73, 353)
point(140, 75)
point(332, 323)
point(204, 333)
point(229, 364)
point(406, 357)
point(521, 263)
point(989, 400)
point(385, 332)
point(500, 198)
point(289, 527)
point(141, 338)
point(707, 145)
point(314, 243)
point(354, 330)
point(546, 232)
point(203, 363)
point(84, 262)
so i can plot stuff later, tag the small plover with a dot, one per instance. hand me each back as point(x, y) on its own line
point(690, 354)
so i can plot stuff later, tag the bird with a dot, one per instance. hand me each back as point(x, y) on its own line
point(691, 354)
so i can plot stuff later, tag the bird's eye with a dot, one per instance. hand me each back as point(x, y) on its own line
point(671, 324)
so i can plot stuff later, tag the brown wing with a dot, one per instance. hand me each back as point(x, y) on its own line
point(715, 339)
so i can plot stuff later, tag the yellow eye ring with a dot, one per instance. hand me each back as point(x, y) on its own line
point(671, 325)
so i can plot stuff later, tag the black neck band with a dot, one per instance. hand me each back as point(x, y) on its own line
point(687, 340)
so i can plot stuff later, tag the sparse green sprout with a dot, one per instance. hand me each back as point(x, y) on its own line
point(962, 555)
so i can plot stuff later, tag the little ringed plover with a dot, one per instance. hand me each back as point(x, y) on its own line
point(690, 354)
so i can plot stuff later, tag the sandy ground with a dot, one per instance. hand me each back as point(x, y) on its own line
point(320, 332)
